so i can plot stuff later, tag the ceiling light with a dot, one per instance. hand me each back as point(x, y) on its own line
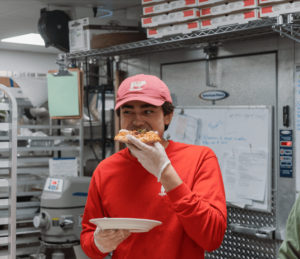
point(30, 38)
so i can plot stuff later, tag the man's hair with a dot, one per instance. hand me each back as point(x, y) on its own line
point(167, 107)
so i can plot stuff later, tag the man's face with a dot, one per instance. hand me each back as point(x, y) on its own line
point(136, 115)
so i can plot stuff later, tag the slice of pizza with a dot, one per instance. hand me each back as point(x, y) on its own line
point(145, 136)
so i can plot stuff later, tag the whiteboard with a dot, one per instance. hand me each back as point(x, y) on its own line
point(241, 137)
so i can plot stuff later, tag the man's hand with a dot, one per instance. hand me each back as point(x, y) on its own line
point(153, 158)
point(108, 240)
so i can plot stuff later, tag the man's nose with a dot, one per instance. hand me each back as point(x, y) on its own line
point(138, 120)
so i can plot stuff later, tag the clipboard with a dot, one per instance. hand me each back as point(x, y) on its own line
point(65, 93)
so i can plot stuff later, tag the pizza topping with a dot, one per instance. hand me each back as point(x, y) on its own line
point(142, 134)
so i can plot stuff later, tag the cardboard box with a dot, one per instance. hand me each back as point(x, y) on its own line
point(168, 30)
point(228, 8)
point(81, 32)
point(173, 17)
point(242, 5)
point(215, 10)
point(277, 9)
point(203, 3)
point(8, 81)
point(149, 2)
point(154, 21)
point(14, 88)
point(156, 9)
point(169, 6)
point(264, 2)
point(116, 38)
point(184, 15)
point(153, 33)
point(183, 4)
point(234, 18)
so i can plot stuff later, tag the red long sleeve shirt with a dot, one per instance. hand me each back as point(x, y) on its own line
point(193, 214)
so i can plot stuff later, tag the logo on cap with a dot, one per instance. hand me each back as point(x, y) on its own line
point(137, 85)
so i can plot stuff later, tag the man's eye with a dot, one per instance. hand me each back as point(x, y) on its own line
point(148, 112)
point(126, 112)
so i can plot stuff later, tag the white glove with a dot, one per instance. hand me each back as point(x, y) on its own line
point(153, 158)
point(108, 240)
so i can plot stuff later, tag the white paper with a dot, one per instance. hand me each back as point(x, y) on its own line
point(185, 129)
point(252, 179)
point(230, 178)
point(35, 89)
point(63, 167)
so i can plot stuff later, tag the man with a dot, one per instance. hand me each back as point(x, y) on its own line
point(290, 248)
point(175, 183)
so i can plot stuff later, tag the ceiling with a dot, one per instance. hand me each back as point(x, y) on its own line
point(19, 17)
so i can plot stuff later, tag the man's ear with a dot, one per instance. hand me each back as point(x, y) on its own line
point(168, 118)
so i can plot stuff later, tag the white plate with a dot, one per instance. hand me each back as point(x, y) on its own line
point(132, 224)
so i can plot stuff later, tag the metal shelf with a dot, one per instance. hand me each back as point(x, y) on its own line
point(20, 231)
point(50, 148)
point(31, 161)
point(23, 194)
point(9, 184)
point(223, 33)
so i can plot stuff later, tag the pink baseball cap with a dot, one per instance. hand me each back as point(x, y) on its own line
point(146, 88)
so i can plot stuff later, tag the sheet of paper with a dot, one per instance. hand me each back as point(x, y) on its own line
point(63, 167)
point(186, 128)
point(252, 180)
point(230, 177)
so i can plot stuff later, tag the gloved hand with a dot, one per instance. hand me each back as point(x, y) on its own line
point(108, 240)
point(153, 158)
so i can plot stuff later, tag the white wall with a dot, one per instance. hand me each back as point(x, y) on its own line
point(29, 70)
point(26, 61)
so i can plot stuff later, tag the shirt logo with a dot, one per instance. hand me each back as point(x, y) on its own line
point(137, 85)
point(162, 191)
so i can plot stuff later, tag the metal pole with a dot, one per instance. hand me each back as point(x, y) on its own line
point(13, 174)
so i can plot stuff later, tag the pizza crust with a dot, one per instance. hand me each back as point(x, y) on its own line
point(147, 137)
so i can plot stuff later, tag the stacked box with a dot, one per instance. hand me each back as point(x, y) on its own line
point(205, 3)
point(278, 9)
point(215, 10)
point(264, 2)
point(233, 18)
point(181, 28)
point(228, 8)
point(169, 6)
point(173, 17)
point(169, 18)
point(150, 2)
point(156, 9)
point(82, 31)
point(183, 4)
point(242, 5)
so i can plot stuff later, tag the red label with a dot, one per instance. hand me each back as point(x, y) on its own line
point(206, 22)
point(145, 1)
point(147, 20)
point(192, 25)
point(188, 13)
point(149, 9)
point(188, 2)
point(249, 2)
point(267, 9)
point(152, 31)
point(201, 1)
point(248, 15)
point(205, 11)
